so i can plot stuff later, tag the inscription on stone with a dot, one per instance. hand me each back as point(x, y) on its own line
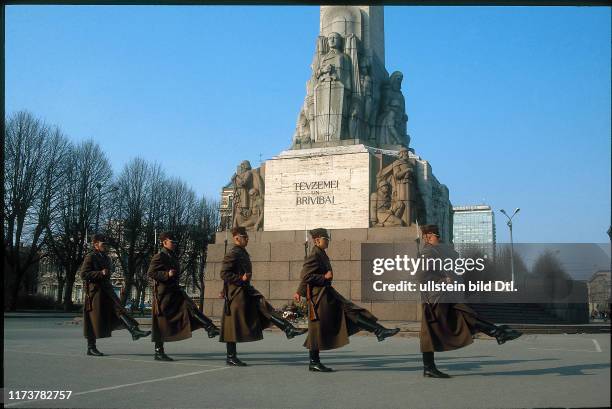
point(317, 190)
point(314, 193)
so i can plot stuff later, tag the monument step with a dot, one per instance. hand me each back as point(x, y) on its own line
point(366, 235)
point(517, 313)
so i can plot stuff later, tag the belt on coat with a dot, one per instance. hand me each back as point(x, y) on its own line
point(89, 301)
point(156, 299)
point(228, 299)
point(313, 303)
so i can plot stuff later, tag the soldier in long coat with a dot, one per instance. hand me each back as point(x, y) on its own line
point(331, 317)
point(246, 312)
point(174, 314)
point(102, 309)
point(446, 326)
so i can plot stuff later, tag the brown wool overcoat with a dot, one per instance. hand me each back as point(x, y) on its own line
point(101, 306)
point(332, 318)
point(444, 326)
point(246, 312)
point(172, 317)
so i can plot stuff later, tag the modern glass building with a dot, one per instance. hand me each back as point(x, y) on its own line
point(474, 230)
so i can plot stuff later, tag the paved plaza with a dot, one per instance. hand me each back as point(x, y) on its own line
point(533, 371)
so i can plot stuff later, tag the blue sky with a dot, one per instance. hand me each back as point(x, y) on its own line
point(511, 105)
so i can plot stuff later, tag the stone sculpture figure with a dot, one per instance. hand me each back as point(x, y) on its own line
point(251, 218)
point(242, 180)
point(394, 105)
point(388, 129)
point(257, 209)
point(350, 94)
point(248, 197)
point(384, 210)
point(333, 89)
point(302, 129)
point(367, 89)
point(355, 120)
point(309, 114)
point(401, 174)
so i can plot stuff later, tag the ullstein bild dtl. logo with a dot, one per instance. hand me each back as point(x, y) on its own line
point(388, 274)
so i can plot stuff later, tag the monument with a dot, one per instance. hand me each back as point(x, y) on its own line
point(350, 168)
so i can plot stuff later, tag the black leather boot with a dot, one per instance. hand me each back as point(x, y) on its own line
point(287, 327)
point(160, 355)
point(501, 333)
point(91, 348)
point(209, 326)
point(315, 362)
point(132, 326)
point(429, 367)
point(380, 331)
point(232, 359)
point(507, 334)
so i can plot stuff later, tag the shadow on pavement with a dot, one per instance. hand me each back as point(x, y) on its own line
point(561, 371)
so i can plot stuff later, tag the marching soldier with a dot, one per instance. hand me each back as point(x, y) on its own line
point(331, 317)
point(246, 312)
point(102, 311)
point(174, 314)
point(448, 326)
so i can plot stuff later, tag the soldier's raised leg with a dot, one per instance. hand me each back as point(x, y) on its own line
point(211, 329)
point(287, 327)
point(374, 327)
point(132, 326)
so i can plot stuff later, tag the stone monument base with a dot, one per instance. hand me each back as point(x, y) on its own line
point(278, 256)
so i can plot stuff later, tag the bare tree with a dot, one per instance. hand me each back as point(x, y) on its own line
point(85, 168)
point(153, 226)
point(207, 224)
point(548, 266)
point(503, 262)
point(179, 211)
point(133, 189)
point(52, 191)
point(33, 155)
point(549, 270)
point(179, 207)
point(58, 155)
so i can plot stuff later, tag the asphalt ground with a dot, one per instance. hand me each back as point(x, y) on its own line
point(554, 370)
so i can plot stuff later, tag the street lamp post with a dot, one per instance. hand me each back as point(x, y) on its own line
point(509, 223)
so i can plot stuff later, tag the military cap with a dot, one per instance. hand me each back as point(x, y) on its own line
point(98, 238)
point(430, 229)
point(239, 231)
point(319, 233)
point(166, 236)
